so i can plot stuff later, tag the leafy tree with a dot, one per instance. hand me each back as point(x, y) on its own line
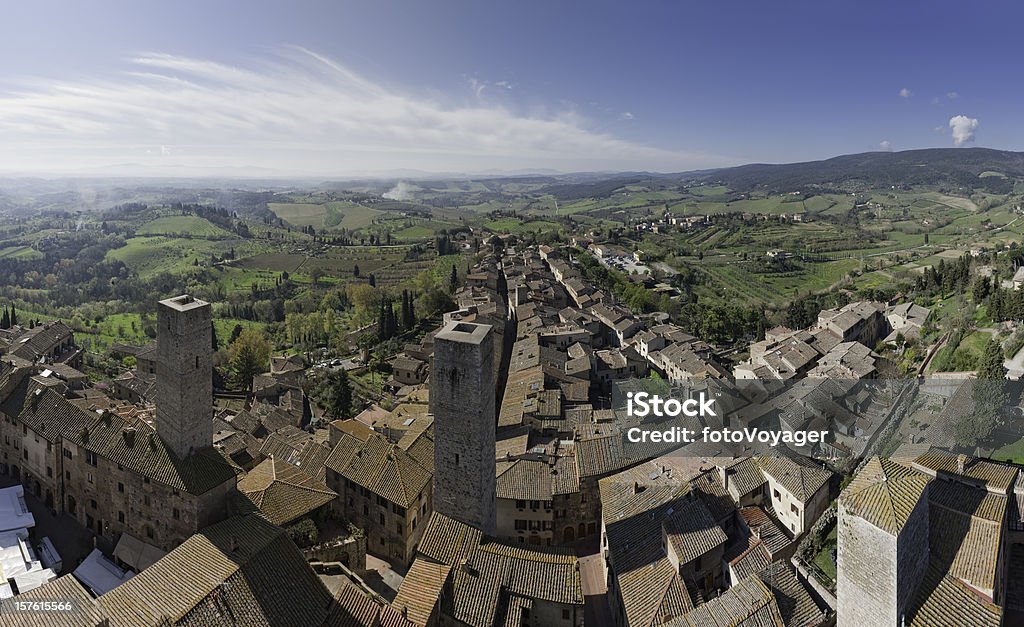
point(990, 397)
point(453, 280)
point(334, 393)
point(248, 356)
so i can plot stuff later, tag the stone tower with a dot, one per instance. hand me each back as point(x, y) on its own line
point(462, 401)
point(882, 544)
point(184, 374)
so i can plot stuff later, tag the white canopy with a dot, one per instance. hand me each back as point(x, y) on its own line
point(101, 575)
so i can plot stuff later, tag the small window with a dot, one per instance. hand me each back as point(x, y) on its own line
point(197, 361)
point(566, 614)
point(120, 517)
point(382, 519)
point(176, 513)
point(120, 487)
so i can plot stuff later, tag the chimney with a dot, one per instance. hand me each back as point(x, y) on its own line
point(961, 463)
point(723, 474)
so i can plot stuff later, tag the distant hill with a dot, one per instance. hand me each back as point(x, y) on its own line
point(952, 167)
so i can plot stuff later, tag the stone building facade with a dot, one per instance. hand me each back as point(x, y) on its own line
point(464, 424)
point(184, 365)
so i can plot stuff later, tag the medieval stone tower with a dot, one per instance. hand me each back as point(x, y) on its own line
point(184, 380)
point(462, 401)
point(882, 544)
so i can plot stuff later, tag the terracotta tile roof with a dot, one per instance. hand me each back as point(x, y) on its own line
point(744, 477)
point(87, 612)
point(691, 532)
point(801, 478)
point(130, 442)
point(565, 478)
point(37, 342)
point(352, 608)
point(750, 602)
point(381, 467)
point(796, 605)
point(751, 561)
point(496, 569)
point(485, 574)
point(884, 493)
point(654, 594)
point(764, 527)
point(242, 571)
point(283, 492)
point(524, 479)
point(944, 600)
point(421, 589)
point(447, 540)
point(994, 477)
point(713, 494)
point(966, 532)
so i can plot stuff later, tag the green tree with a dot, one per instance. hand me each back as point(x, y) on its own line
point(334, 393)
point(990, 397)
point(248, 356)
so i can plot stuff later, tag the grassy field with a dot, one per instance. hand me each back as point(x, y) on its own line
point(823, 560)
point(300, 214)
point(969, 351)
point(20, 252)
point(329, 215)
point(151, 255)
point(182, 225)
point(1013, 452)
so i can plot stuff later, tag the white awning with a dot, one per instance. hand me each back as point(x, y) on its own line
point(99, 574)
point(136, 553)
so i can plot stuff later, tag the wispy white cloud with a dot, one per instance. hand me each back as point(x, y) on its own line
point(952, 95)
point(627, 115)
point(296, 112)
point(963, 129)
point(906, 93)
point(885, 145)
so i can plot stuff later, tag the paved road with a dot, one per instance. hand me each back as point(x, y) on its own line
point(1015, 365)
point(382, 578)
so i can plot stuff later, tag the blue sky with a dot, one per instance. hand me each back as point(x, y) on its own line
point(339, 88)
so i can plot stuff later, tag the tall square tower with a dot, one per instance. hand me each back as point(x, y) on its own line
point(462, 401)
point(184, 374)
